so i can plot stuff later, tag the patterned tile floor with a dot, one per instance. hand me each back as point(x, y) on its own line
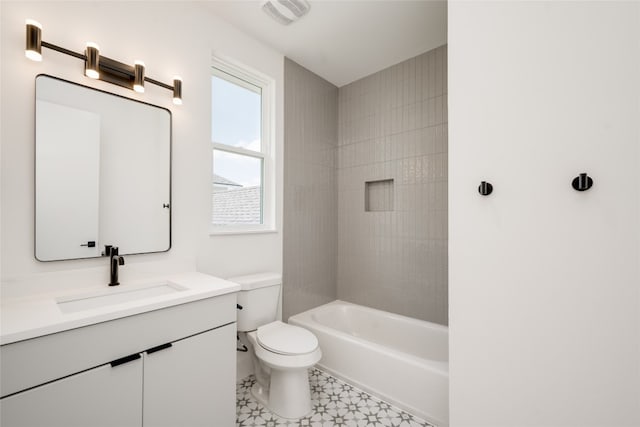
point(334, 402)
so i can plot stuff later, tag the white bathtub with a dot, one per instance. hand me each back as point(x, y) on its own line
point(402, 360)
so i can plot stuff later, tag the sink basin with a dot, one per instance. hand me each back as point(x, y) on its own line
point(108, 297)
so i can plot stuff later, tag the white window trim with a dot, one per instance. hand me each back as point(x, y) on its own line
point(242, 75)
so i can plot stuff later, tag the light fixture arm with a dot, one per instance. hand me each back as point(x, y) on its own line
point(63, 50)
point(109, 70)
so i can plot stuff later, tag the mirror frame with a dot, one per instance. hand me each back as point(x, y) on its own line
point(35, 124)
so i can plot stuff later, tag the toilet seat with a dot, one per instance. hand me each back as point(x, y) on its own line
point(283, 361)
point(288, 340)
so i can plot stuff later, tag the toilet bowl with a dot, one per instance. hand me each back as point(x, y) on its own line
point(283, 353)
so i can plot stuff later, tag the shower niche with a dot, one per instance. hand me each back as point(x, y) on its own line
point(378, 195)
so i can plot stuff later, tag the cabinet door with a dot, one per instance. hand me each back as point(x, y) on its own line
point(105, 396)
point(192, 383)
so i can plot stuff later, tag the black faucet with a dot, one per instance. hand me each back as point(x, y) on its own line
point(115, 261)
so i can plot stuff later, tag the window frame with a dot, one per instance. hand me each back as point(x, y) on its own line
point(244, 76)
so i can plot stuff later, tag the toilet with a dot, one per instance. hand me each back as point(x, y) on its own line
point(281, 353)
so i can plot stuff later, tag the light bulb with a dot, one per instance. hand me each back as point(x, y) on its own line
point(92, 67)
point(138, 77)
point(177, 90)
point(33, 49)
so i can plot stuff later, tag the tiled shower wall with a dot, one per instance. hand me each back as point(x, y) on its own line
point(393, 126)
point(310, 190)
point(385, 134)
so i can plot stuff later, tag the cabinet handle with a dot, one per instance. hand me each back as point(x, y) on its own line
point(125, 359)
point(158, 348)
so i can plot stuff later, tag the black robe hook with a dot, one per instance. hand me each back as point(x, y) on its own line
point(485, 188)
point(582, 182)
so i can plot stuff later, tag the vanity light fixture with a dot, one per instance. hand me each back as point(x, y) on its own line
point(91, 65)
point(34, 40)
point(99, 67)
point(138, 76)
point(177, 90)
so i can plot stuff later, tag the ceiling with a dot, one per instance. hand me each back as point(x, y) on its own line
point(343, 41)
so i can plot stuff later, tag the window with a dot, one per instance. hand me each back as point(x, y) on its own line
point(243, 171)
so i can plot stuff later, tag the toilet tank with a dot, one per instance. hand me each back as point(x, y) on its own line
point(259, 297)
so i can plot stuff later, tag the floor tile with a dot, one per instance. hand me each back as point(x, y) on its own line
point(334, 403)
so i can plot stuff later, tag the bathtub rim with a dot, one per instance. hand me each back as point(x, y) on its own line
point(404, 318)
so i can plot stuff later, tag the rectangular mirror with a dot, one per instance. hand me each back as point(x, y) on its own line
point(102, 173)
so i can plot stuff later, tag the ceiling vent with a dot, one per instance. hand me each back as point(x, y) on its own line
point(286, 11)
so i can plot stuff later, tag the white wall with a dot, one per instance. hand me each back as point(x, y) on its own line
point(544, 280)
point(172, 38)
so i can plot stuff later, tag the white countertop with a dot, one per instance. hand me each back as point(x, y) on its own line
point(34, 316)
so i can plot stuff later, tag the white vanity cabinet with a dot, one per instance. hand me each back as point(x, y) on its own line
point(100, 397)
point(173, 366)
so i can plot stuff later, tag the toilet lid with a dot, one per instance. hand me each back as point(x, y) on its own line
point(282, 338)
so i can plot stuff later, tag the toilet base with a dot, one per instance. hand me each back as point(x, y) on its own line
point(261, 394)
point(288, 395)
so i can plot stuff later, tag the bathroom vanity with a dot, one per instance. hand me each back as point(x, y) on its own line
point(152, 353)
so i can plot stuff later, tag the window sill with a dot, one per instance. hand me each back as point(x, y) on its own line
point(224, 231)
